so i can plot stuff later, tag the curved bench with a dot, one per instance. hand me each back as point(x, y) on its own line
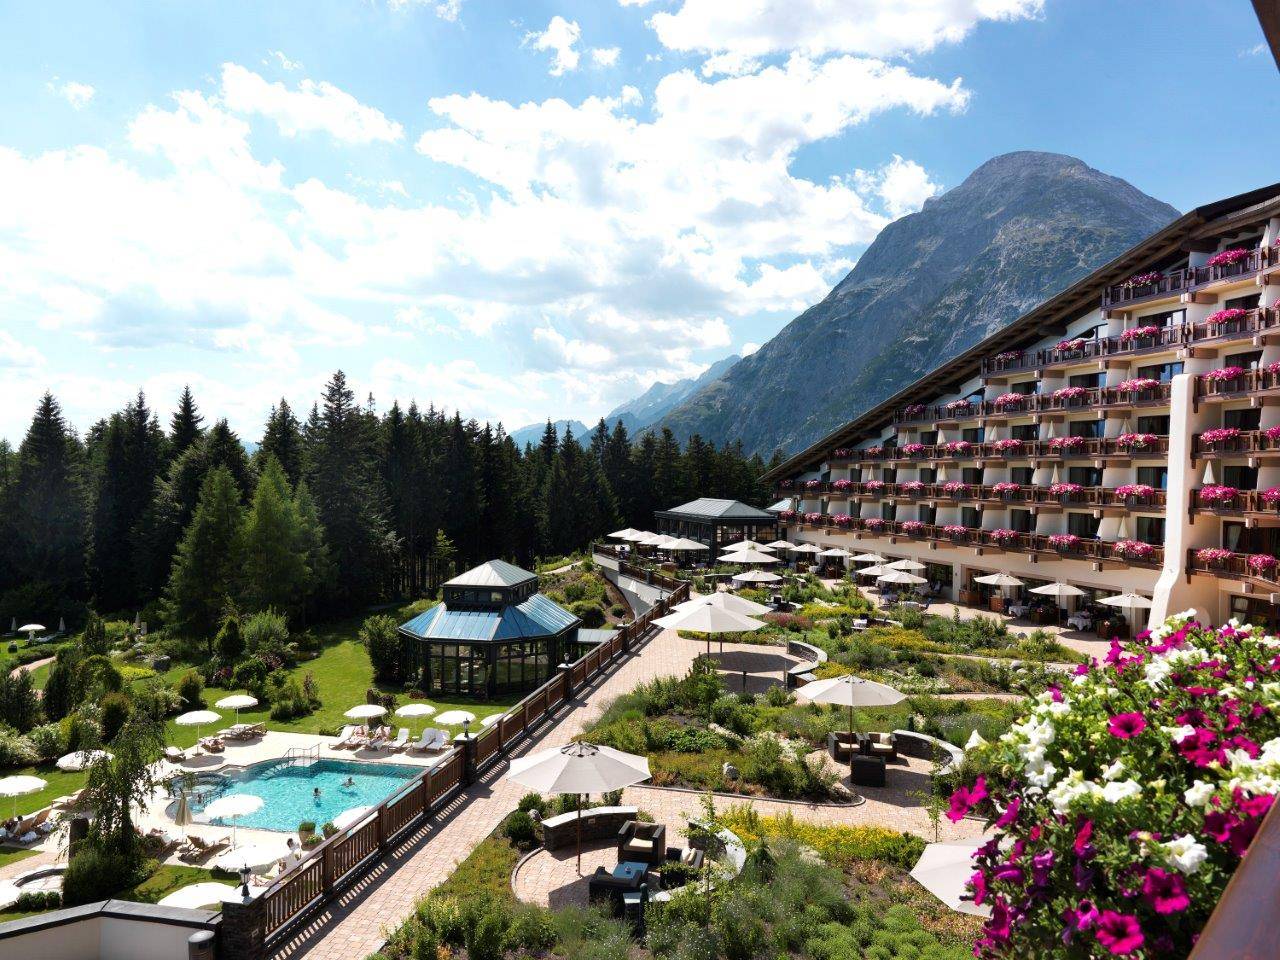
point(802, 673)
point(921, 745)
point(597, 824)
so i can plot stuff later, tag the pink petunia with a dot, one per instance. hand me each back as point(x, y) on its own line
point(1126, 725)
point(1165, 891)
point(1119, 933)
point(1010, 813)
point(1083, 835)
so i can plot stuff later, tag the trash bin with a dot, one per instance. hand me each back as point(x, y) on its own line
point(200, 945)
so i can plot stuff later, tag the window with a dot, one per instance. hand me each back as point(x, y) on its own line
point(1168, 318)
point(888, 511)
point(1026, 388)
point(1157, 477)
point(1235, 536)
point(1022, 475)
point(1255, 610)
point(939, 574)
point(1086, 380)
point(971, 475)
point(929, 437)
point(1083, 525)
point(928, 475)
point(1085, 428)
point(1249, 418)
point(972, 434)
point(889, 474)
point(1243, 303)
point(1242, 478)
point(1150, 529)
point(1249, 360)
point(1025, 431)
point(1158, 425)
point(928, 514)
point(971, 517)
point(1085, 476)
point(1164, 372)
point(1020, 520)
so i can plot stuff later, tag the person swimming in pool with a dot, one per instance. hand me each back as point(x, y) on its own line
point(349, 782)
point(315, 794)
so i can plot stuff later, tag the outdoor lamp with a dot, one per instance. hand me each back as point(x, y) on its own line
point(245, 874)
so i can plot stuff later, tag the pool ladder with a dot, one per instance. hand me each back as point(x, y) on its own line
point(301, 756)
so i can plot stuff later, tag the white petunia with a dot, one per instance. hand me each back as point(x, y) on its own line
point(975, 741)
point(1198, 794)
point(1113, 772)
point(1185, 853)
point(1121, 790)
point(1178, 734)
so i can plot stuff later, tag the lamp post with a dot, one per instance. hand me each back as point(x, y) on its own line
point(245, 874)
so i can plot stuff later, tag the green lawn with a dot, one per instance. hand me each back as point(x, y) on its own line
point(13, 856)
point(58, 784)
point(167, 879)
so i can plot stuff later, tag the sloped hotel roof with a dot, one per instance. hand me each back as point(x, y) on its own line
point(532, 618)
point(1050, 317)
point(708, 508)
point(494, 573)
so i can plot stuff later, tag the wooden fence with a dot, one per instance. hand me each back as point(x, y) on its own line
point(249, 930)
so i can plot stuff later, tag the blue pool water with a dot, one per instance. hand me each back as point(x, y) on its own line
point(288, 790)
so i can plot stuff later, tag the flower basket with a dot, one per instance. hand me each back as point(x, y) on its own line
point(841, 519)
point(1064, 542)
point(1136, 441)
point(1226, 316)
point(957, 448)
point(1133, 549)
point(912, 487)
point(1271, 497)
point(874, 524)
point(1002, 537)
point(1135, 493)
point(956, 532)
point(1066, 492)
point(786, 484)
point(955, 488)
point(1006, 490)
point(1213, 556)
point(1216, 495)
point(1262, 565)
point(912, 411)
point(1227, 258)
point(1066, 444)
point(1223, 375)
point(1272, 434)
point(786, 516)
point(913, 449)
point(1010, 401)
point(1139, 336)
point(1144, 279)
point(873, 486)
point(813, 485)
point(1137, 385)
point(842, 453)
point(1007, 446)
point(841, 485)
point(1221, 435)
point(912, 528)
point(813, 518)
point(1070, 346)
point(1070, 395)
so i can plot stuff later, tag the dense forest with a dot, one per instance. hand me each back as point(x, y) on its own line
point(332, 512)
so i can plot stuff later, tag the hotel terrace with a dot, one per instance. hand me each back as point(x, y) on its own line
point(1122, 436)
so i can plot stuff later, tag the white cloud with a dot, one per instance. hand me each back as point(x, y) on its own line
point(75, 93)
point(748, 348)
point(902, 185)
point(605, 56)
point(630, 96)
point(314, 106)
point(283, 61)
point(559, 38)
point(444, 9)
point(1256, 50)
point(738, 33)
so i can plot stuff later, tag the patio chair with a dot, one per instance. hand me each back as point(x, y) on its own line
point(432, 738)
point(347, 738)
point(867, 771)
point(401, 741)
point(174, 755)
point(880, 745)
point(642, 842)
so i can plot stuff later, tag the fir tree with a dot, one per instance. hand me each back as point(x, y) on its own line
point(282, 439)
point(185, 424)
point(206, 570)
point(275, 572)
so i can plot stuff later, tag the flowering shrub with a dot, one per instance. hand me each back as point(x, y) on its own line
point(1223, 373)
point(841, 453)
point(961, 404)
point(1139, 333)
point(913, 449)
point(912, 527)
point(1007, 445)
point(955, 486)
point(955, 530)
point(1065, 488)
point(1272, 433)
point(1262, 563)
point(812, 484)
point(1133, 549)
point(1271, 496)
point(1004, 486)
point(1010, 400)
point(1145, 279)
point(1137, 385)
point(1273, 366)
point(813, 518)
point(841, 519)
point(1224, 258)
point(913, 410)
point(1066, 443)
point(1226, 316)
point(1124, 800)
point(1066, 346)
point(1135, 441)
point(872, 452)
point(873, 485)
point(1069, 393)
point(785, 484)
point(873, 523)
point(957, 446)
point(1216, 493)
point(841, 484)
point(911, 486)
point(786, 516)
point(1220, 435)
point(1003, 536)
point(1212, 555)
point(1008, 355)
point(1135, 490)
point(1064, 541)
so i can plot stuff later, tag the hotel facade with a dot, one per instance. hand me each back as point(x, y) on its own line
point(1123, 436)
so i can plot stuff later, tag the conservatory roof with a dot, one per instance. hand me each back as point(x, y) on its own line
point(494, 573)
point(708, 508)
point(535, 617)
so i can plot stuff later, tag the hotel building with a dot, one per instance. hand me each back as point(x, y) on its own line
point(1122, 436)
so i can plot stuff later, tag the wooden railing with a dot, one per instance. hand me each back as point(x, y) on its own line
point(1255, 261)
point(351, 852)
point(1244, 501)
point(1246, 442)
point(1250, 381)
point(1172, 283)
point(987, 492)
point(1235, 566)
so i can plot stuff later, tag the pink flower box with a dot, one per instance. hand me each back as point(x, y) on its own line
point(1136, 441)
point(1217, 494)
point(1226, 316)
point(1008, 355)
point(1008, 445)
point(913, 449)
point(913, 410)
point(1010, 400)
point(873, 485)
point(841, 485)
point(812, 484)
point(1225, 258)
point(841, 519)
point(1263, 563)
point(955, 530)
point(1144, 279)
point(957, 446)
point(1069, 346)
point(1220, 435)
point(1066, 443)
point(955, 486)
point(911, 486)
point(1064, 541)
point(841, 453)
point(1137, 385)
point(1139, 333)
point(1133, 549)
point(1060, 489)
point(1271, 496)
point(813, 518)
point(1272, 433)
point(912, 527)
point(1004, 486)
point(785, 484)
point(1223, 374)
point(1070, 393)
point(1003, 536)
point(1213, 555)
point(961, 404)
point(874, 523)
point(786, 516)
point(1135, 490)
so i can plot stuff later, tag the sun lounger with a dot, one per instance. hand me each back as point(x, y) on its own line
point(432, 739)
point(174, 755)
point(401, 741)
point(347, 739)
point(212, 744)
point(198, 848)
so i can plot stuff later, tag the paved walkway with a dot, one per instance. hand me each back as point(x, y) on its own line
point(33, 666)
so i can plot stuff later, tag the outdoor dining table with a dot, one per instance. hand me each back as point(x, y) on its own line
point(631, 871)
point(1080, 621)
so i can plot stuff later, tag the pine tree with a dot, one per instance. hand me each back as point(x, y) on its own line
point(206, 569)
point(315, 552)
point(275, 571)
point(282, 439)
point(185, 424)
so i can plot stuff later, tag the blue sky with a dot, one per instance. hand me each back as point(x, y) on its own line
point(533, 209)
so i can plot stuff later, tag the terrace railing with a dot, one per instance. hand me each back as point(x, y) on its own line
point(1250, 381)
point(253, 928)
point(1235, 566)
point(1172, 283)
point(1245, 442)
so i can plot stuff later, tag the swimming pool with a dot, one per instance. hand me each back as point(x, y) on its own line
point(288, 790)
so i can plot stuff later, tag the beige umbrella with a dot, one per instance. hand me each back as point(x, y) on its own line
point(749, 545)
point(197, 719)
point(662, 541)
point(415, 710)
point(727, 601)
point(256, 856)
point(347, 817)
point(81, 759)
point(756, 576)
point(850, 691)
point(624, 534)
point(1060, 591)
point(578, 768)
point(182, 812)
point(709, 619)
point(237, 702)
point(874, 570)
point(944, 870)
point(455, 718)
point(999, 580)
point(747, 556)
point(868, 558)
point(232, 807)
point(900, 577)
point(807, 548)
point(836, 552)
point(781, 545)
point(1132, 602)
point(366, 711)
point(684, 543)
point(637, 536)
point(20, 785)
point(905, 565)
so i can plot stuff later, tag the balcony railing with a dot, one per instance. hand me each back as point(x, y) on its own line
point(1236, 566)
point(1024, 495)
point(1255, 380)
point(1257, 260)
point(1236, 504)
point(1236, 327)
point(1173, 283)
point(1235, 443)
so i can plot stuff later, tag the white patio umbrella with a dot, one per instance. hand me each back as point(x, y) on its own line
point(999, 580)
point(366, 711)
point(750, 545)
point(456, 718)
point(182, 812)
point(1131, 602)
point(850, 691)
point(875, 570)
point(624, 534)
point(636, 536)
point(491, 719)
point(255, 857)
point(747, 556)
point(945, 868)
point(868, 558)
point(756, 576)
point(232, 807)
point(727, 601)
point(31, 629)
point(905, 565)
point(709, 619)
point(662, 541)
point(900, 577)
point(347, 817)
point(782, 545)
point(237, 702)
point(19, 786)
point(835, 552)
point(685, 544)
point(415, 710)
point(578, 768)
point(645, 539)
point(1059, 591)
point(81, 759)
point(197, 719)
point(806, 548)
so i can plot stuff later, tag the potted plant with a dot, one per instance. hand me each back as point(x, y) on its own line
point(306, 830)
point(1144, 336)
point(1135, 493)
point(1064, 542)
point(1213, 557)
point(1066, 492)
point(1220, 436)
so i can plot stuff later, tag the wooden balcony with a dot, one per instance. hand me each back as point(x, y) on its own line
point(1258, 381)
point(1172, 284)
point(1235, 566)
point(1098, 448)
point(1245, 503)
point(1247, 443)
point(1245, 269)
point(1258, 325)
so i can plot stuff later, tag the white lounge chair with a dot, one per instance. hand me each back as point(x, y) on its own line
point(348, 738)
point(401, 741)
point(432, 739)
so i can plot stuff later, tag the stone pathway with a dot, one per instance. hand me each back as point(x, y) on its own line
point(33, 666)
